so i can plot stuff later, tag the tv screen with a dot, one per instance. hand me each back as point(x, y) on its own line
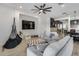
point(28, 24)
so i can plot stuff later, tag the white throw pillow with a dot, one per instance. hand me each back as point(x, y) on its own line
point(50, 36)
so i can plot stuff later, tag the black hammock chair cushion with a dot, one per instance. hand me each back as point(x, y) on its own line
point(12, 43)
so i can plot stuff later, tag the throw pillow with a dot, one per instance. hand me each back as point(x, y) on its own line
point(41, 47)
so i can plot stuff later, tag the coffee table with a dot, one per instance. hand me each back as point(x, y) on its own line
point(35, 41)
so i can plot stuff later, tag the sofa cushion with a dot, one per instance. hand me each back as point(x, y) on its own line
point(67, 50)
point(53, 39)
point(32, 51)
point(53, 48)
point(41, 47)
point(50, 51)
point(51, 36)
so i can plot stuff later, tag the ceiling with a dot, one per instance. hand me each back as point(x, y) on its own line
point(57, 10)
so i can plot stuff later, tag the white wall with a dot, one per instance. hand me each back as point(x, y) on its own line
point(29, 18)
point(6, 20)
point(44, 23)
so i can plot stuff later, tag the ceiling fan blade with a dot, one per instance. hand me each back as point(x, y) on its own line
point(37, 7)
point(44, 12)
point(44, 5)
point(41, 6)
point(48, 8)
point(39, 12)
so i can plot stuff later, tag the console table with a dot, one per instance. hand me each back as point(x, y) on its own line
point(74, 35)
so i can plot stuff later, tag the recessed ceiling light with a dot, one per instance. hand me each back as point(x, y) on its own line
point(20, 6)
point(64, 13)
point(61, 4)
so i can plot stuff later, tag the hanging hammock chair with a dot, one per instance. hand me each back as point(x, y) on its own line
point(14, 38)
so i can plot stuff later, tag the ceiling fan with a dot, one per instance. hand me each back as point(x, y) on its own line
point(41, 9)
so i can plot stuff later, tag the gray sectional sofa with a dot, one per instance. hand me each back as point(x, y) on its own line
point(62, 47)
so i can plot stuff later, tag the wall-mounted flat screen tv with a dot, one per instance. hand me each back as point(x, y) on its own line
point(28, 24)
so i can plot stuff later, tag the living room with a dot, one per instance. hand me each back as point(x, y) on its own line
point(34, 22)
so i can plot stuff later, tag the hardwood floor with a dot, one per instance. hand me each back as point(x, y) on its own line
point(21, 49)
point(76, 49)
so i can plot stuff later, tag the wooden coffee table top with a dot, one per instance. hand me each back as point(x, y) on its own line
point(35, 40)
